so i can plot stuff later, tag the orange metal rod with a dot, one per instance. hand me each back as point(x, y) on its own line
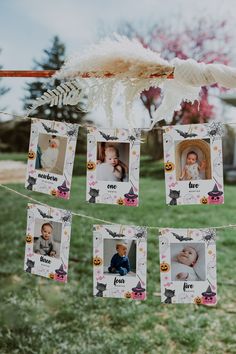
point(50, 73)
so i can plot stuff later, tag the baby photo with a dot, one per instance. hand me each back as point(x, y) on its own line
point(47, 242)
point(188, 261)
point(188, 266)
point(193, 160)
point(119, 261)
point(113, 157)
point(113, 162)
point(47, 238)
point(193, 164)
point(120, 257)
point(51, 157)
point(51, 152)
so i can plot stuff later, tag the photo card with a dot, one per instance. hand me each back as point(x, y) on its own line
point(47, 242)
point(193, 164)
point(119, 261)
point(51, 157)
point(113, 157)
point(188, 266)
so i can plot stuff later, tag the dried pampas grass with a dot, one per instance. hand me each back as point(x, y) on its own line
point(114, 67)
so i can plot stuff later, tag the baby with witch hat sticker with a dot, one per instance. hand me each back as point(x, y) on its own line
point(138, 293)
point(209, 297)
point(215, 196)
point(63, 191)
point(131, 199)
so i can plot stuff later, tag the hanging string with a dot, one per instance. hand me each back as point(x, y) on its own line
point(48, 206)
point(88, 125)
point(80, 125)
point(102, 220)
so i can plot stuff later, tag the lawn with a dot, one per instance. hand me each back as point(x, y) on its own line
point(40, 316)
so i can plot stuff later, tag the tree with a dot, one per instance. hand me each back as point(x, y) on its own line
point(205, 42)
point(3, 89)
point(53, 60)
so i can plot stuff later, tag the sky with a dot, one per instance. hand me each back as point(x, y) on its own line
point(27, 27)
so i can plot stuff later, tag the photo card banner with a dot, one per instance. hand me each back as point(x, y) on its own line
point(113, 157)
point(47, 242)
point(193, 164)
point(119, 261)
point(51, 157)
point(188, 266)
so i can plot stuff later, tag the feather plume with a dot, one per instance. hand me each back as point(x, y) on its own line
point(123, 66)
point(120, 65)
point(122, 57)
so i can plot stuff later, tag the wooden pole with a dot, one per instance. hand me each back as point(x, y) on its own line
point(50, 73)
point(27, 73)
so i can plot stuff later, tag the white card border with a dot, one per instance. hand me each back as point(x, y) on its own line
point(189, 295)
point(116, 193)
point(131, 233)
point(51, 182)
point(190, 195)
point(40, 267)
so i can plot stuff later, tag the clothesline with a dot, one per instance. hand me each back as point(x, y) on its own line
point(89, 125)
point(102, 220)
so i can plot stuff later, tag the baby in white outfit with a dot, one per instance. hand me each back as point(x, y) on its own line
point(112, 169)
point(191, 170)
point(182, 267)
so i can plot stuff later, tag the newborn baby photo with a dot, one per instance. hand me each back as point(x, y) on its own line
point(51, 151)
point(188, 261)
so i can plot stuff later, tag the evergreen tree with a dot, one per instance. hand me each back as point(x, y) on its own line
point(54, 58)
point(3, 89)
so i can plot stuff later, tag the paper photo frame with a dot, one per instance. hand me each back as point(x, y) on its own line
point(51, 157)
point(119, 261)
point(193, 164)
point(113, 157)
point(47, 242)
point(188, 266)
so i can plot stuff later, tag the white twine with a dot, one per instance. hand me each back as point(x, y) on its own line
point(106, 221)
point(91, 125)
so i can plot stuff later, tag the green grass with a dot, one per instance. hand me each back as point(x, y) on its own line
point(40, 316)
point(148, 167)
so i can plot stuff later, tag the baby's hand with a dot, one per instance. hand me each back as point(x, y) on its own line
point(52, 254)
point(203, 164)
point(182, 276)
point(99, 162)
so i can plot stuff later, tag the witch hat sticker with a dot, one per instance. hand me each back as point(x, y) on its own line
point(131, 199)
point(138, 293)
point(215, 196)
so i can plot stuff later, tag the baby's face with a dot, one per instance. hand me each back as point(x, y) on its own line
point(121, 250)
point(54, 143)
point(111, 157)
point(191, 159)
point(187, 256)
point(46, 232)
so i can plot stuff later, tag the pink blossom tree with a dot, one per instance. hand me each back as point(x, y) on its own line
point(204, 41)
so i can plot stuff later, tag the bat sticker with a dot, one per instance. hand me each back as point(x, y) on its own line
point(108, 136)
point(49, 130)
point(185, 134)
point(181, 238)
point(114, 234)
point(44, 215)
